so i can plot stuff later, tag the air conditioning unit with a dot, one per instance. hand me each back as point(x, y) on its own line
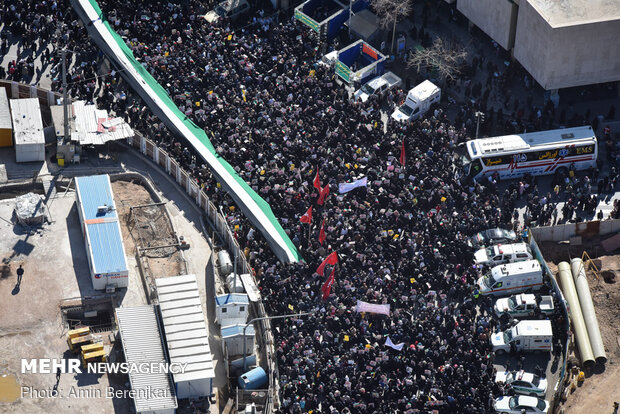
point(110, 288)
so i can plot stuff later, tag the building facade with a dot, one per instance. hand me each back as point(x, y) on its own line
point(562, 44)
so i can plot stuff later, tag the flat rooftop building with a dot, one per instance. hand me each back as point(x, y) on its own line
point(28, 130)
point(561, 43)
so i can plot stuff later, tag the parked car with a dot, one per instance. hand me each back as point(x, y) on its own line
point(228, 9)
point(523, 305)
point(503, 253)
point(377, 86)
point(516, 405)
point(493, 236)
point(330, 59)
point(523, 382)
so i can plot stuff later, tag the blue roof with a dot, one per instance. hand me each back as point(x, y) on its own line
point(107, 246)
point(240, 298)
point(95, 191)
point(234, 330)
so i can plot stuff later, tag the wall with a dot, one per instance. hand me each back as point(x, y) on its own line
point(494, 17)
point(567, 56)
point(587, 229)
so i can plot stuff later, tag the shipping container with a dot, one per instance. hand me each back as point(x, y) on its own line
point(102, 232)
point(28, 130)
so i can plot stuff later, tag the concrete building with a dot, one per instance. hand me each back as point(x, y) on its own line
point(562, 44)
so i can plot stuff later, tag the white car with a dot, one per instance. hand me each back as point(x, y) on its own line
point(503, 253)
point(329, 59)
point(516, 405)
point(377, 86)
point(523, 382)
point(229, 9)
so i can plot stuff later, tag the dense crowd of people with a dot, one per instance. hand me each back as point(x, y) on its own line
point(280, 119)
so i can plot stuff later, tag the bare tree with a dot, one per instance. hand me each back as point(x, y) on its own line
point(447, 59)
point(391, 12)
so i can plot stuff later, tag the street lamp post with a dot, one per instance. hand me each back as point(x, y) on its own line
point(479, 115)
point(296, 315)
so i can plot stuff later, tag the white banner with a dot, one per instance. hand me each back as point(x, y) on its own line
point(398, 347)
point(372, 308)
point(346, 187)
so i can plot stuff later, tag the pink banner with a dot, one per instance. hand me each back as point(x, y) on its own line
point(372, 308)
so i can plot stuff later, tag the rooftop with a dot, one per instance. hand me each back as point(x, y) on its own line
point(95, 191)
point(185, 326)
point(573, 12)
point(229, 298)
point(27, 121)
point(142, 343)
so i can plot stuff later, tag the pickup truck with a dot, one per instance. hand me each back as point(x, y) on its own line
point(523, 305)
point(377, 86)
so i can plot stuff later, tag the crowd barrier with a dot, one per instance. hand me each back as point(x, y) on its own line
point(264, 335)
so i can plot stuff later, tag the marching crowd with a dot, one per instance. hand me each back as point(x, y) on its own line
point(292, 133)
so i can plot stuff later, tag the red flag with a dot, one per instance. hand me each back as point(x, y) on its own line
point(307, 218)
point(327, 286)
point(323, 195)
point(332, 259)
point(402, 153)
point(322, 235)
point(317, 180)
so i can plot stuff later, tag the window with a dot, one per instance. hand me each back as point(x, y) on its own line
point(538, 341)
point(224, 310)
point(241, 308)
point(498, 258)
point(521, 255)
point(498, 285)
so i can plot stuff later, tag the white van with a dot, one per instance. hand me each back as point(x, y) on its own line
point(503, 253)
point(419, 100)
point(525, 336)
point(511, 278)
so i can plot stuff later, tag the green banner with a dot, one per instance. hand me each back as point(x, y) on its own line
point(308, 21)
point(343, 71)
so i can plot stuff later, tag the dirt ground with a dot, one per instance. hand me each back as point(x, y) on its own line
point(160, 262)
point(601, 386)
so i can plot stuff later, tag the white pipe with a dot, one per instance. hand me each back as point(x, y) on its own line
point(581, 333)
point(587, 308)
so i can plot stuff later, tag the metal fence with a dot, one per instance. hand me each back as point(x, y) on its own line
point(264, 335)
point(46, 97)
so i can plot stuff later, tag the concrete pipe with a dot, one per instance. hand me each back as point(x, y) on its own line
point(579, 327)
point(587, 309)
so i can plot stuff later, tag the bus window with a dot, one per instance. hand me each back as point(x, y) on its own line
point(475, 167)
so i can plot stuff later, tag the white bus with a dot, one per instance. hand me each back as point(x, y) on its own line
point(536, 153)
